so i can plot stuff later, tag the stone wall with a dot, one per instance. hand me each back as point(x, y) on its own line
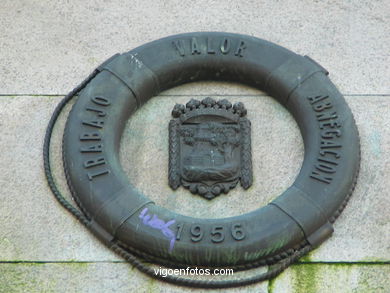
point(48, 47)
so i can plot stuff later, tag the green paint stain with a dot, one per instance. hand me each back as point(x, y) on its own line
point(250, 256)
point(271, 285)
point(306, 258)
point(315, 277)
point(305, 278)
point(22, 278)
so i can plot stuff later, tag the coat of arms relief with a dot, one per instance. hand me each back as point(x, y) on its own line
point(209, 147)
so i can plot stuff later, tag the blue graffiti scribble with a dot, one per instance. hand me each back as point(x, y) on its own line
point(156, 223)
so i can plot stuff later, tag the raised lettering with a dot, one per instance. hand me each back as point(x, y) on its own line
point(101, 101)
point(99, 112)
point(90, 136)
point(225, 46)
point(92, 149)
point(94, 162)
point(178, 44)
point(325, 168)
point(194, 47)
point(322, 106)
point(217, 234)
point(325, 160)
point(329, 123)
point(326, 116)
point(316, 99)
point(179, 230)
point(332, 133)
point(327, 144)
point(197, 233)
point(94, 123)
point(210, 49)
point(321, 177)
point(327, 119)
point(91, 176)
point(237, 231)
point(241, 46)
point(335, 153)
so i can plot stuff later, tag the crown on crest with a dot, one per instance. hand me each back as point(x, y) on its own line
point(209, 106)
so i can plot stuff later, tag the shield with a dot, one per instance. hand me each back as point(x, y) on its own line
point(209, 147)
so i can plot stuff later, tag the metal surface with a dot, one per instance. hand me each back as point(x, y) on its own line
point(209, 147)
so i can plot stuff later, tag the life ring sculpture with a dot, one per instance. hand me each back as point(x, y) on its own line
point(127, 221)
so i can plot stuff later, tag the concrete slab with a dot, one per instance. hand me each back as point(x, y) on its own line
point(327, 278)
point(48, 47)
point(91, 277)
point(33, 225)
point(36, 228)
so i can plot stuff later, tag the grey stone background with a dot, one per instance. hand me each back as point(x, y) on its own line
point(48, 47)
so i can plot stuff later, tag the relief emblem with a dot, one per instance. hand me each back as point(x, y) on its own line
point(209, 147)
